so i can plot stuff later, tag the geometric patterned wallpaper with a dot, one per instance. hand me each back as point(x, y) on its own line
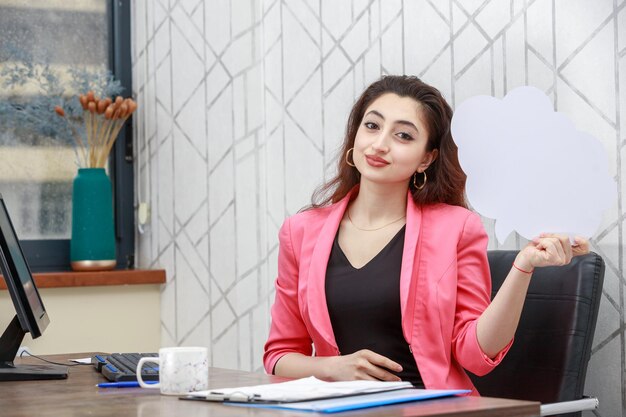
point(242, 106)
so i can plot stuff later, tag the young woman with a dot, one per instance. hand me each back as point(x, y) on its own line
point(387, 276)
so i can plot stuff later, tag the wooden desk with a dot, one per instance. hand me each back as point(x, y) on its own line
point(78, 396)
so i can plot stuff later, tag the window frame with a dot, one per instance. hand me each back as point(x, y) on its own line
point(48, 255)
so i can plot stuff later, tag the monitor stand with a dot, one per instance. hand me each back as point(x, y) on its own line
point(9, 345)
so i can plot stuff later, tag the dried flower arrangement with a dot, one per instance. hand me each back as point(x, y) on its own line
point(103, 119)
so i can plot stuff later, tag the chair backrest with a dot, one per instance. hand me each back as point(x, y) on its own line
point(549, 357)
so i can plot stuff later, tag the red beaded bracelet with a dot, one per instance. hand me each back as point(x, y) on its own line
point(521, 270)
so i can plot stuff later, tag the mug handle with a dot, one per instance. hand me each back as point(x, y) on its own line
point(140, 364)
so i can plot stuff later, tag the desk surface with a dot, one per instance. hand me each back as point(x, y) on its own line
point(78, 396)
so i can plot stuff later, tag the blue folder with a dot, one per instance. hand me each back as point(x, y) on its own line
point(356, 402)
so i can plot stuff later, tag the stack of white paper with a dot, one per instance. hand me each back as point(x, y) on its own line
point(311, 394)
point(299, 390)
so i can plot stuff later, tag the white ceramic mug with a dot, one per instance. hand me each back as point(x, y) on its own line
point(181, 370)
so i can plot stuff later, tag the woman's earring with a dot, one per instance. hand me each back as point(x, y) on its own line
point(415, 181)
point(348, 157)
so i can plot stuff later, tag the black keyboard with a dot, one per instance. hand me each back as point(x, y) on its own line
point(119, 367)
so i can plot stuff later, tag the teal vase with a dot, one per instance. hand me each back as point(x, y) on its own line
point(92, 247)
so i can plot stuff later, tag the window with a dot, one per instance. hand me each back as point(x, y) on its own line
point(37, 169)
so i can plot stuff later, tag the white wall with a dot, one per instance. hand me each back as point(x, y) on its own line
point(116, 318)
point(243, 103)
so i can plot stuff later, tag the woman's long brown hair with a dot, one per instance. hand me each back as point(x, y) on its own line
point(446, 179)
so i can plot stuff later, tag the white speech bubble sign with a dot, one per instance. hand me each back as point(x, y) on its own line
point(529, 168)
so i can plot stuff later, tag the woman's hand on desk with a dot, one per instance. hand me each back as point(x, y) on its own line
point(550, 250)
point(363, 364)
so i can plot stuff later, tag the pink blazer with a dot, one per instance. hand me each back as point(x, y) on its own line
point(444, 287)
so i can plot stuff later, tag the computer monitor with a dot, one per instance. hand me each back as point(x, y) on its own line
point(31, 316)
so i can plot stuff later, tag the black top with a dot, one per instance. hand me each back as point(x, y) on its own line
point(364, 305)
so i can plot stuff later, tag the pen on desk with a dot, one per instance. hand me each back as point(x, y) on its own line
point(123, 384)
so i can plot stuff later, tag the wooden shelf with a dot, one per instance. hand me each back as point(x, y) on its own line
point(88, 279)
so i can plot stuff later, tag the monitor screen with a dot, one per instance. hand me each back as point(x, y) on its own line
point(30, 317)
point(28, 304)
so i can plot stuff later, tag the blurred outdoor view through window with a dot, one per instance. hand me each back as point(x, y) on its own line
point(46, 46)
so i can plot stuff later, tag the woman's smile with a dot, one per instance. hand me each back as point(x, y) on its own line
point(376, 161)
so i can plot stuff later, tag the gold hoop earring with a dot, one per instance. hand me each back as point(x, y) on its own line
point(348, 159)
point(415, 181)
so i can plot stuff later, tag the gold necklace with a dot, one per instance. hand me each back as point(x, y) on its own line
point(372, 230)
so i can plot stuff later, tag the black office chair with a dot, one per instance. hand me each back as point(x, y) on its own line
point(549, 357)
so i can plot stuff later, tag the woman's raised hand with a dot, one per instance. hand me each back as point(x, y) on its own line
point(550, 250)
point(363, 364)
